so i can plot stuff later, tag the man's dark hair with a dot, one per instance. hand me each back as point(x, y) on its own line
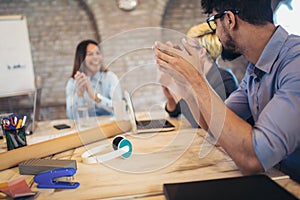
point(256, 12)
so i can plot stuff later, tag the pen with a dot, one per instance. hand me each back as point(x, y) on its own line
point(16, 120)
point(19, 123)
point(13, 121)
point(24, 120)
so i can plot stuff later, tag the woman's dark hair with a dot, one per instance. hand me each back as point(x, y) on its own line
point(80, 54)
point(256, 12)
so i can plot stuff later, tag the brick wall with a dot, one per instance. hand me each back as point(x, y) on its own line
point(56, 26)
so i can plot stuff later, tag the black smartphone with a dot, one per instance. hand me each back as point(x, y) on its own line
point(61, 126)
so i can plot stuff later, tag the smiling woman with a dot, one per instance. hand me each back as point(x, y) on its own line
point(91, 85)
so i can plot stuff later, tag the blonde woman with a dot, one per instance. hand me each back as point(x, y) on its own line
point(221, 80)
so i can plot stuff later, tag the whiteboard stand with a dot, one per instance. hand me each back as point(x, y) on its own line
point(36, 104)
point(34, 116)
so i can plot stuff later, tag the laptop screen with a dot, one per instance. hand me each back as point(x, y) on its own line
point(152, 125)
point(131, 111)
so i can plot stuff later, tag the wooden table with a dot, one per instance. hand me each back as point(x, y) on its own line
point(157, 158)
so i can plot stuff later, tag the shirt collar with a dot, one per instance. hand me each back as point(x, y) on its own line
point(272, 50)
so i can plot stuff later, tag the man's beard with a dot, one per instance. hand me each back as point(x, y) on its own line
point(229, 53)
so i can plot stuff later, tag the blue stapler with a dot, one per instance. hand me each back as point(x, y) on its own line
point(48, 179)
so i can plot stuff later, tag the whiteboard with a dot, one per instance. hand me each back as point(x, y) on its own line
point(16, 68)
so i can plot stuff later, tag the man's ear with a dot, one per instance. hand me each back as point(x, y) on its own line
point(231, 20)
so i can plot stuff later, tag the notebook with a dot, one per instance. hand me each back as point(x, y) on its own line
point(246, 187)
point(146, 126)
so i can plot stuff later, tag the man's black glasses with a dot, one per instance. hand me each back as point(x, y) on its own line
point(211, 20)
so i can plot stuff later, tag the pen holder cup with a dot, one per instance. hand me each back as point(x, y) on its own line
point(15, 138)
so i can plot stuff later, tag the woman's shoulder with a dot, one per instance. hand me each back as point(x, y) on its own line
point(70, 82)
point(109, 74)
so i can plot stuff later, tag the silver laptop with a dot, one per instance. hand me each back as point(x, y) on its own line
point(146, 126)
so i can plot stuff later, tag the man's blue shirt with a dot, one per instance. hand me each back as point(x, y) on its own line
point(270, 93)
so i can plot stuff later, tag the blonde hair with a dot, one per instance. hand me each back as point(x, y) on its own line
point(206, 38)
